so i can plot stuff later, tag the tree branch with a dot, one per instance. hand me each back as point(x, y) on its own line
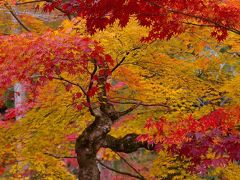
point(38, 1)
point(140, 103)
point(218, 24)
point(116, 115)
point(127, 144)
point(90, 86)
point(75, 84)
point(60, 78)
point(120, 172)
point(131, 166)
point(200, 25)
point(59, 157)
point(123, 59)
point(29, 2)
point(82, 89)
point(92, 75)
point(105, 106)
point(60, 9)
point(9, 8)
point(101, 163)
point(120, 62)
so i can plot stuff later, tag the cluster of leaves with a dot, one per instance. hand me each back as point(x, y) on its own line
point(166, 18)
point(211, 141)
point(167, 166)
point(48, 57)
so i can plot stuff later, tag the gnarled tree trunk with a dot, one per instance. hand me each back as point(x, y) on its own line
point(96, 136)
point(87, 146)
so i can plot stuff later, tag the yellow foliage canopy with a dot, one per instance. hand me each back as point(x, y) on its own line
point(178, 77)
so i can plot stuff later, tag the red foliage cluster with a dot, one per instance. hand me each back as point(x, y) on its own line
point(166, 17)
point(215, 133)
point(2, 170)
point(34, 60)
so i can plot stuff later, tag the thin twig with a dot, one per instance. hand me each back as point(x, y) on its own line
point(200, 25)
point(133, 168)
point(140, 103)
point(218, 24)
point(29, 2)
point(99, 161)
point(75, 84)
point(62, 11)
point(120, 172)
point(124, 58)
point(123, 113)
point(59, 157)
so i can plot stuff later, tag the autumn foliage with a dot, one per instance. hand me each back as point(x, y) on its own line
point(116, 77)
point(167, 18)
point(214, 134)
point(48, 60)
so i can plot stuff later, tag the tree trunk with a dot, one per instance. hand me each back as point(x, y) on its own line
point(19, 97)
point(87, 146)
point(88, 169)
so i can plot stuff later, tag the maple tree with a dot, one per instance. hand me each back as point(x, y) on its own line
point(91, 77)
point(165, 17)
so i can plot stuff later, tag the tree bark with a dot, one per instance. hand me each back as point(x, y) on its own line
point(126, 144)
point(87, 146)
